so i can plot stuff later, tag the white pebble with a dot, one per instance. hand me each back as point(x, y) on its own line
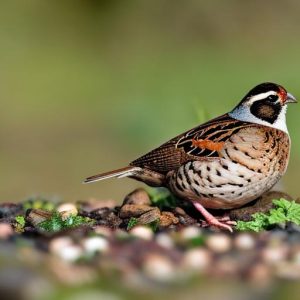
point(219, 243)
point(95, 244)
point(190, 232)
point(158, 268)
point(67, 209)
point(274, 255)
point(197, 259)
point(5, 230)
point(70, 253)
point(142, 232)
point(164, 240)
point(64, 248)
point(57, 244)
point(244, 241)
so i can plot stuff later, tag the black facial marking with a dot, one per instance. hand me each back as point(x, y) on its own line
point(266, 110)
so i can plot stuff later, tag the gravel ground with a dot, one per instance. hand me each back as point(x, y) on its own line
point(140, 247)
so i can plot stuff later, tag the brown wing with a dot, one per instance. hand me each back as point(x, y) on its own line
point(205, 140)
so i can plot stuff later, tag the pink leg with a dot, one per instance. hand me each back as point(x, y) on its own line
point(213, 221)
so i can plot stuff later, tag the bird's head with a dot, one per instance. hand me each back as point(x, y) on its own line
point(265, 104)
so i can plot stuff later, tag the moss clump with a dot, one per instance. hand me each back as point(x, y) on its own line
point(284, 211)
point(20, 223)
point(131, 223)
point(57, 223)
point(162, 198)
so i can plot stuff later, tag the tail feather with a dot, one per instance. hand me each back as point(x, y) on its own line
point(119, 173)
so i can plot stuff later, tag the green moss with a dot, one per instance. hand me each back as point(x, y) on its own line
point(162, 198)
point(20, 223)
point(284, 211)
point(57, 223)
point(132, 222)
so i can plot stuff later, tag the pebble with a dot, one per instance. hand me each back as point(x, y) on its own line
point(167, 218)
point(57, 243)
point(67, 209)
point(37, 216)
point(95, 244)
point(190, 232)
point(65, 249)
point(158, 268)
point(142, 232)
point(164, 240)
point(219, 243)
point(244, 241)
point(149, 216)
point(138, 196)
point(134, 210)
point(5, 231)
point(275, 254)
point(197, 259)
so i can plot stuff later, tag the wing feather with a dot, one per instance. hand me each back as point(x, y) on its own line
point(202, 141)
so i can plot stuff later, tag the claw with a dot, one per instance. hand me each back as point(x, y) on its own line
point(223, 222)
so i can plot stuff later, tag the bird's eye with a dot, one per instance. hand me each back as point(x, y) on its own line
point(272, 98)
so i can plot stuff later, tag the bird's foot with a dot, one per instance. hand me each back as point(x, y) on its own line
point(222, 222)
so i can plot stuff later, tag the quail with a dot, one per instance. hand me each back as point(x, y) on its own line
point(225, 162)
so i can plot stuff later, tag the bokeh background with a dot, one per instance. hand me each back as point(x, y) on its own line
point(87, 86)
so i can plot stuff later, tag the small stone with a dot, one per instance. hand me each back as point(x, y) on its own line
point(142, 232)
point(70, 253)
point(103, 231)
point(158, 268)
point(190, 232)
point(197, 259)
point(5, 231)
point(64, 248)
point(244, 241)
point(164, 240)
point(67, 209)
point(95, 244)
point(133, 210)
point(167, 218)
point(37, 216)
point(149, 216)
point(57, 244)
point(275, 254)
point(139, 197)
point(219, 243)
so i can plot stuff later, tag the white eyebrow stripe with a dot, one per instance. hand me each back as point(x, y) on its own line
point(261, 96)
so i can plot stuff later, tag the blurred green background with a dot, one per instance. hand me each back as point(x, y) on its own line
point(87, 86)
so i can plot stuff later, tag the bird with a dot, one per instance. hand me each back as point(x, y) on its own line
point(224, 163)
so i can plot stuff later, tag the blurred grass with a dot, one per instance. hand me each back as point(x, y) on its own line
point(87, 86)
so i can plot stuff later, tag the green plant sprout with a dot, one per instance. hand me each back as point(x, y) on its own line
point(284, 211)
point(57, 223)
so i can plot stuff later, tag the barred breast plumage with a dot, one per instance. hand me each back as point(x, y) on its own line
point(251, 162)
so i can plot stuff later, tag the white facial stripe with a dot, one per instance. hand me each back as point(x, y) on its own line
point(260, 97)
point(243, 113)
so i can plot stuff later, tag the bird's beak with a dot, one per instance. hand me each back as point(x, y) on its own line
point(290, 98)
